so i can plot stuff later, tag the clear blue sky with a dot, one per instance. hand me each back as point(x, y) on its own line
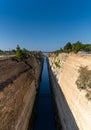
point(44, 24)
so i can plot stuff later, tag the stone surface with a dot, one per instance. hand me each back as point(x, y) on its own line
point(18, 84)
point(76, 100)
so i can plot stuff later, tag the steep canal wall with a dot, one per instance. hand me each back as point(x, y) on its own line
point(74, 109)
point(19, 82)
point(64, 118)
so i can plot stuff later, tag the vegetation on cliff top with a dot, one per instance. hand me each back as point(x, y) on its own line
point(84, 80)
point(21, 54)
point(75, 47)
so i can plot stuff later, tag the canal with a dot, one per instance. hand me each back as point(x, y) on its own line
point(45, 119)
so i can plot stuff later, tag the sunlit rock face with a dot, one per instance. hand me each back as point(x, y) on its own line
point(18, 84)
point(66, 77)
point(57, 62)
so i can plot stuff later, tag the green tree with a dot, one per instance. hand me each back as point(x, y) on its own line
point(68, 47)
point(77, 47)
point(25, 53)
point(87, 47)
point(1, 52)
point(21, 54)
point(61, 50)
point(18, 47)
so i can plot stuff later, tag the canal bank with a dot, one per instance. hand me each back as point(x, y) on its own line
point(18, 83)
point(65, 119)
point(45, 117)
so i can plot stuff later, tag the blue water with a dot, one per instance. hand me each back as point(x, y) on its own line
point(45, 112)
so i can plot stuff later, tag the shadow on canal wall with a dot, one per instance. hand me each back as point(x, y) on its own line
point(64, 117)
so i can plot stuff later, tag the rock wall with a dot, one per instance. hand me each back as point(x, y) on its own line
point(29, 98)
point(65, 119)
point(18, 84)
point(78, 104)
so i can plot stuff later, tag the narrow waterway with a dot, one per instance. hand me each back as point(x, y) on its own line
point(44, 111)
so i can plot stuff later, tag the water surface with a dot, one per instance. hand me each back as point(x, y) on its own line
point(45, 112)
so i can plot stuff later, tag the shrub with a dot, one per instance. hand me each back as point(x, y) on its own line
point(88, 95)
point(22, 54)
point(68, 47)
point(84, 80)
point(57, 65)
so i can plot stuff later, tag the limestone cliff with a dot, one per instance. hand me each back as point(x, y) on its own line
point(18, 84)
point(78, 104)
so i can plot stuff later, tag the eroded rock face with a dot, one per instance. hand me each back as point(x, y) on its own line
point(76, 100)
point(57, 62)
point(18, 84)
